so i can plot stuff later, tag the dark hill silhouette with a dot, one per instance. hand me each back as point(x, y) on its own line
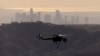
point(19, 39)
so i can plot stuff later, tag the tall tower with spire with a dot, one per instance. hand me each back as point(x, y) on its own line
point(31, 11)
point(58, 17)
point(31, 14)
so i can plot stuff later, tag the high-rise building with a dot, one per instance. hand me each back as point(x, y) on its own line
point(17, 16)
point(47, 18)
point(27, 18)
point(58, 17)
point(86, 20)
point(72, 20)
point(65, 20)
point(77, 20)
point(31, 15)
point(31, 12)
point(23, 17)
point(35, 18)
point(39, 16)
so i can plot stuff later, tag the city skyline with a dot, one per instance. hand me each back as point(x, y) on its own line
point(8, 16)
point(56, 17)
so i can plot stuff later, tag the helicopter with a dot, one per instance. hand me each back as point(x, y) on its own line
point(55, 38)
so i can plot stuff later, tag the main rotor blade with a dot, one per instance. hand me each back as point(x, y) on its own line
point(64, 35)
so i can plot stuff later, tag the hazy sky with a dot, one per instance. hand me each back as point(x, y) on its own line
point(70, 5)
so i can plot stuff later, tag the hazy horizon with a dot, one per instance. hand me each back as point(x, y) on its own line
point(52, 5)
point(8, 15)
point(47, 10)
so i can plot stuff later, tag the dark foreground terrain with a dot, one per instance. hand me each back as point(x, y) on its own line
point(19, 39)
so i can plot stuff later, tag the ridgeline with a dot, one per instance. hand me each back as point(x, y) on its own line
point(19, 39)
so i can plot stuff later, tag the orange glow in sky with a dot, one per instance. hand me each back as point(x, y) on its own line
point(51, 5)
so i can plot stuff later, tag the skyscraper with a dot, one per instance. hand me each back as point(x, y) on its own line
point(31, 12)
point(65, 20)
point(35, 18)
point(17, 17)
point(39, 16)
point(23, 17)
point(47, 18)
point(31, 15)
point(72, 20)
point(58, 17)
point(77, 20)
point(86, 20)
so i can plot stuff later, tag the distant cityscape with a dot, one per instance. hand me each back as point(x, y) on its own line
point(57, 17)
point(34, 17)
